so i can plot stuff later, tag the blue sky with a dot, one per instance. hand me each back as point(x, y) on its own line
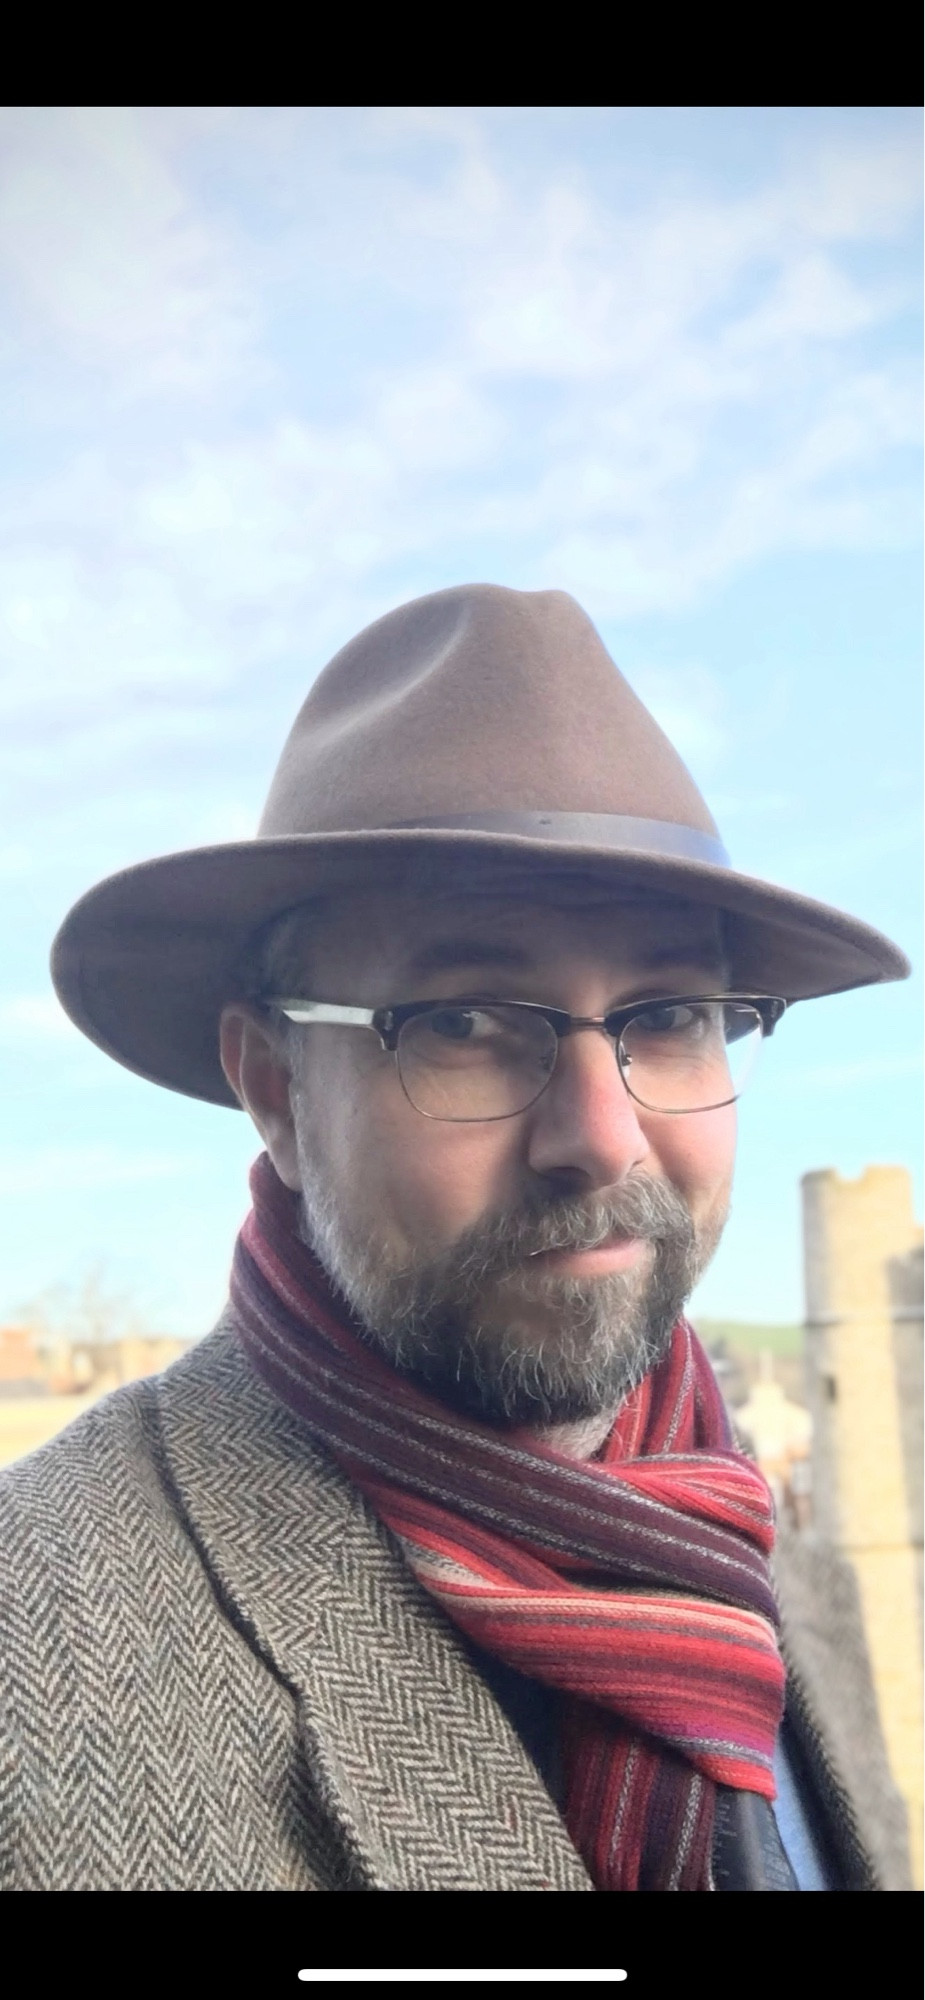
point(271, 372)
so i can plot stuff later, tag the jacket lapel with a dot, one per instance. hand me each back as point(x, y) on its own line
point(424, 1782)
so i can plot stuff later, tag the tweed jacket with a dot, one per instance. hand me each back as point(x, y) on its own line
point(219, 1673)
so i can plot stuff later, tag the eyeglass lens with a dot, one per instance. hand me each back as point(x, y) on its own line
point(469, 1063)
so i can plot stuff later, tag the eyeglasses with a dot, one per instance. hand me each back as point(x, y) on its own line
point(472, 1060)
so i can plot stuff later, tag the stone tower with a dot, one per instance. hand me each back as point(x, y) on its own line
point(863, 1254)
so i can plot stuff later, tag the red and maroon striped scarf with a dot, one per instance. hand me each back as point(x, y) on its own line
point(637, 1585)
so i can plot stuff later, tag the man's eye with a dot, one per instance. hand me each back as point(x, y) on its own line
point(678, 1021)
point(458, 1024)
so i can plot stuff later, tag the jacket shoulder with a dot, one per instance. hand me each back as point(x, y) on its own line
point(121, 1749)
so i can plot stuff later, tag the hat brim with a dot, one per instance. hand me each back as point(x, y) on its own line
point(146, 960)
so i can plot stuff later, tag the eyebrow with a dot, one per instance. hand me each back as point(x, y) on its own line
point(450, 954)
point(455, 954)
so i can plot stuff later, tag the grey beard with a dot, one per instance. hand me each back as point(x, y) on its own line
point(428, 1317)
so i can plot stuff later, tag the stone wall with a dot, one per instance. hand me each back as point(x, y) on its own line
point(863, 1261)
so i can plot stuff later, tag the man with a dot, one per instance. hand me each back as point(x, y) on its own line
point(435, 1566)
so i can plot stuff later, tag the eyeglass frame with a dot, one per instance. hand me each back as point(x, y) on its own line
point(388, 1022)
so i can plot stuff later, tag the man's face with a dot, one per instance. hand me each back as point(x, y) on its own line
point(529, 1269)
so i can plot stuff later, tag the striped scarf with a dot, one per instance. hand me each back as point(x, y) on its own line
point(636, 1585)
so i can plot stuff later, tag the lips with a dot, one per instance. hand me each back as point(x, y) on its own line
point(610, 1242)
point(615, 1254)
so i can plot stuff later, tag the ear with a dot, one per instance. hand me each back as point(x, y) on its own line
point(261, 1080)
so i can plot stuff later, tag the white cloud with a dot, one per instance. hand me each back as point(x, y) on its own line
point(633, 399)
point(853, 191)
point(72, 636)
point(812, 300)
point(103, 248)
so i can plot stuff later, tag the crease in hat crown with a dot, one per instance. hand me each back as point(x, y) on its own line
point(477, 725)
point(468, 700)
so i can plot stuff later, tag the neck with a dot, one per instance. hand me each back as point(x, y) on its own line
point(579, 1440)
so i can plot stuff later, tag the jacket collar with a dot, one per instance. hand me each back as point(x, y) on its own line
point(424, 1780)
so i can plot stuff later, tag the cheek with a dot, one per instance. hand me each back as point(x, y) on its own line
point(415, 1179)
point(439, 1180)
point(697, 1154)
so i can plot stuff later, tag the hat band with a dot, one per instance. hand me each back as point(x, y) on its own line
point(617, 830)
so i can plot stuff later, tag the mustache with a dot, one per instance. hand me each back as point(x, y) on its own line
point(643, 1207)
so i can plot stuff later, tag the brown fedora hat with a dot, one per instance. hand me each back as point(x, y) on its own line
point(479, 725)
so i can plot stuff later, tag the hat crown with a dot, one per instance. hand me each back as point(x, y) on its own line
point(473, 700)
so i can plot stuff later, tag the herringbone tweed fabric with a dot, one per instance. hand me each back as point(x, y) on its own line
point(220, 1674)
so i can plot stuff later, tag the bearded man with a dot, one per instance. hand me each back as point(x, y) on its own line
point(436, 1565)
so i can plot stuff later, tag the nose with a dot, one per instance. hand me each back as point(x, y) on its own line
point(585, 1128)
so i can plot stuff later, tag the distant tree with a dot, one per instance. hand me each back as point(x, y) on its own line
point(87, 1313)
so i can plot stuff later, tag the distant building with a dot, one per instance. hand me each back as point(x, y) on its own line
point(20, 1365)
point(779, 1432)
point(863, 1256)
point(45, 1384)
